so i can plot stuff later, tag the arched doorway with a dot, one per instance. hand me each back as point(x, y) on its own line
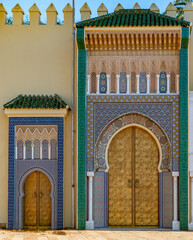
point(133, 158)
point(37, 201)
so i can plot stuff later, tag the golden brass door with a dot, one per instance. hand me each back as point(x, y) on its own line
point(120, 179)
point(133, 179)
point(37, 201)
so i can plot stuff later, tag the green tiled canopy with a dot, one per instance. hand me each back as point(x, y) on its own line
point(36, 102)
point(132, 18)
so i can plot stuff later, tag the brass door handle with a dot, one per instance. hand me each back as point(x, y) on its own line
point(130, 183)
point(136, 183)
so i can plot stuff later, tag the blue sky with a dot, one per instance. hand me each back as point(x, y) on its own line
point(93, 4)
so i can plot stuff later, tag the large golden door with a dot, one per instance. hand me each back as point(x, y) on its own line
point(37, 201)
point(133, 179)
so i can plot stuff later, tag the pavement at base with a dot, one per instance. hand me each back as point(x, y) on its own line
point(109, 234)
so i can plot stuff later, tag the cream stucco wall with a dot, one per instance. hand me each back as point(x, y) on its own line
point(35, 60)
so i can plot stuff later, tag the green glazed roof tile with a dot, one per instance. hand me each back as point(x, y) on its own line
point(119, 19)
point(161, 21)
point(36, 102)
point(123, 19)
point(132, 17)
point(127, 19)
point(153, 20)
point(139, 19)
point(105, 22)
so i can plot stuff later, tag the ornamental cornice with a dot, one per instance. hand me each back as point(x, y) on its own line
point(137, 39)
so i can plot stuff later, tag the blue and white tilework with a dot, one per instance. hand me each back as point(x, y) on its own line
point(162, 109)
point(12, 185)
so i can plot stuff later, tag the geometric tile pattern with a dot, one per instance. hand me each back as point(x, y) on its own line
point(45, 149)
point(19, 149)
point(123, 82)
point(117, 124)
point(162, 109)
point(142, 83)
point(103, 82)
point(53, 149)
point(28, 149)
point(37, 149)
point(163, 82)
point(13, 121)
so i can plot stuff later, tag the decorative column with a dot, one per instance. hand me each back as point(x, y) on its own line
point(177, 83)
point(168, 83)
point(88, 84)
point(128, 84)
point(118, 77)
point(148, 80)
point(24, 153)
point(40, 150)
point(90, 222)
point(98, 78)
point(16, 150)
point(137, 84)
point(175, 223)
point(32, 151)
point(157, 83)
point(108, 84)
point(49, 150)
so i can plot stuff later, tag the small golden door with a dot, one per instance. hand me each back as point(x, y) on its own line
point(37, 201)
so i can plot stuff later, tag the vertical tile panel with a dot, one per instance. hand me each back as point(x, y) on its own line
point(167, 200)
point(99, 199)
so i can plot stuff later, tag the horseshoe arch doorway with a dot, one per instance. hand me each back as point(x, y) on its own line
point(133, 189)
point(37, 201)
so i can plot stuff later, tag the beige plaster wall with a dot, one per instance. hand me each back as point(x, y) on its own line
point(35, 60)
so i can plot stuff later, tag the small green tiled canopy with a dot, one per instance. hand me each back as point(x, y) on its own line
point(133, 18)
point(36, 102)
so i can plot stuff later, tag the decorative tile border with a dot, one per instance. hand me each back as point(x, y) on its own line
point(123, 121)
point(184, 129)
point(162, 109)
point(13, 121)
point(82, 72)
